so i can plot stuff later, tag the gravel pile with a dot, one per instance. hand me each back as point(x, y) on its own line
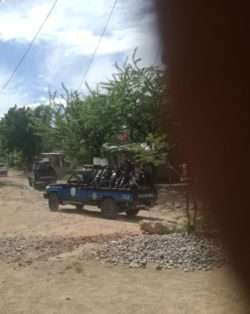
point(25, 251)
point(177, 250)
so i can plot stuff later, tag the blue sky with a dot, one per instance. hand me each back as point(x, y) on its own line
point(65, 45)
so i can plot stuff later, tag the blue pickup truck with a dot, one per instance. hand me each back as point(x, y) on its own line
point(79, 192)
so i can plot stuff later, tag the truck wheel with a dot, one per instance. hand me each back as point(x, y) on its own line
point(35, 186)
point(109, 208)
point(53, 202)
point(79, 206)
point(132, 212)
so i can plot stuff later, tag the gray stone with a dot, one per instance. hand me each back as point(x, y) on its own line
point(158, 267)
point(175, 250)
point(134, 265)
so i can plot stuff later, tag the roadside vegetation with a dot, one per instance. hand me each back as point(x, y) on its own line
point(129, 106)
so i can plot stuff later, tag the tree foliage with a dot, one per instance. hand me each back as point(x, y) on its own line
point(154, 152)
point(131, 101)
point(18, 133)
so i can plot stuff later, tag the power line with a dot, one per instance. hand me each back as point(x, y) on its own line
point(29, 47)
point(98, 44)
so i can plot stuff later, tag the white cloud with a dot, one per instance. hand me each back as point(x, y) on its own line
point(72, 33)
point(101, 70)
point(46, 101)
point(10, 99)
point(76, 26)
point(13, 96)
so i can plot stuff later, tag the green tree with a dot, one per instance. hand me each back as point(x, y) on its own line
point(86, 124)
point(137, 93)
point(42, 117)
point(131, 101)
point(18, 133)
point(153, 152)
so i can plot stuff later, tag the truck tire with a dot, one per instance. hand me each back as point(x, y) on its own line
point(109, 208)
point(132, 212)
point(79, 206)
point(53, 202)
point(35, 185)
point(30, 182)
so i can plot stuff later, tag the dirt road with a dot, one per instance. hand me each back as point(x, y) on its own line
point(47, 265)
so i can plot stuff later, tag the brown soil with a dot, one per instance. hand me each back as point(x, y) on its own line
point(47, 264)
